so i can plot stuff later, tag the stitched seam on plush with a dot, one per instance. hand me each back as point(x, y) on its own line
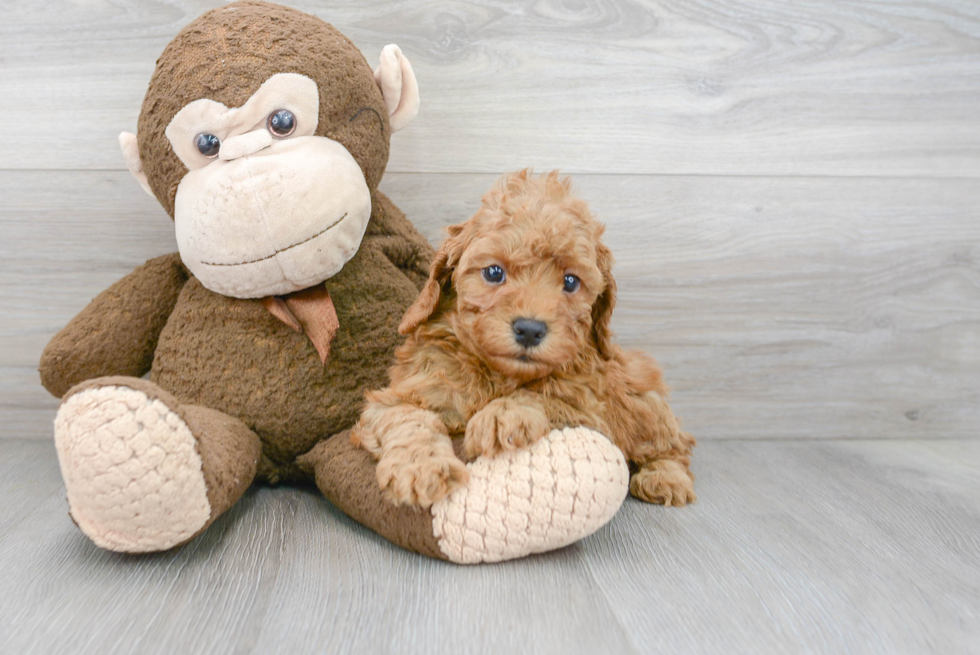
point(265, 221)
point(262, 259)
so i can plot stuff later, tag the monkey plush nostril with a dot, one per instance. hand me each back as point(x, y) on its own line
point(528, 332)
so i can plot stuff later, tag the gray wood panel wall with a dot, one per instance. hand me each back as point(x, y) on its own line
point(792, 189)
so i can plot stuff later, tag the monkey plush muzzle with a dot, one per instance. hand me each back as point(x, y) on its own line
point(270, 222)
point(264, 210)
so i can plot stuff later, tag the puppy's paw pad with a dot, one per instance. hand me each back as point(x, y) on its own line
point(420, 479)
point(667, 483)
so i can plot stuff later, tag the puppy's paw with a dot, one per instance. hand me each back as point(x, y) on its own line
point(420, 476)
point(665, 482)
point(504, 424)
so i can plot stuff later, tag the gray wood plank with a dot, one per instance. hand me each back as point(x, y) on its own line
point(779, 308)
point(840, 547)
point(282, 557)
point(835, 547)
point(599, 86)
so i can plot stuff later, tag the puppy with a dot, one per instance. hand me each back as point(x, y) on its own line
point(510, 338)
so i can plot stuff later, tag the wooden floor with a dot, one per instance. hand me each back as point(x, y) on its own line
point(792, 192)
point(833, 547)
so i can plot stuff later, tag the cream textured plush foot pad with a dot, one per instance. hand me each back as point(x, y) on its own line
point(562, 489)
point(131, 466)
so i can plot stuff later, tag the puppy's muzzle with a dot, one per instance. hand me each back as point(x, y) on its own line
point(528, 332)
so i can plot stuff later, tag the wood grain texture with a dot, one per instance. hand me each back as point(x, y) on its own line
point(790, 190)
point(841, 547)
point(779, 308)
point(792, 547)
point(591, 86)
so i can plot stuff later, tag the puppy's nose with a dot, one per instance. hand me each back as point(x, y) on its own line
point(529, 332)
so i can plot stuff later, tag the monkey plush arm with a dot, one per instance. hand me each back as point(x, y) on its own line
point(402, 244)
point(117, 333)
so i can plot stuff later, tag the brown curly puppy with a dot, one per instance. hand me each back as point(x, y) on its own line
point(510, 338)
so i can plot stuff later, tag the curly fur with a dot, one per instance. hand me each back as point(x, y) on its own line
point(461, 372)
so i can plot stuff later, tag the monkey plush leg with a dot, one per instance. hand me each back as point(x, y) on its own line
point(560, 490)
point(143, 472)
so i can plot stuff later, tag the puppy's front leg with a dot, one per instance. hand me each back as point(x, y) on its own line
point(517, 421)
point(416, 462)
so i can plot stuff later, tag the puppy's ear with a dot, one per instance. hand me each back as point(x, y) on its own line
point(603, 307)
point(439, 274)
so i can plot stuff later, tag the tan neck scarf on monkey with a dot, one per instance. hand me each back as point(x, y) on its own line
point(310, 311)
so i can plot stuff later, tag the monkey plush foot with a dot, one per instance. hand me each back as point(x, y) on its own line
point(554, 493)
point(138, 478)
point(560, 490)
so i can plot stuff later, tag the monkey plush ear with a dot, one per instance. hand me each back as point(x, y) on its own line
point(131, 153)
point(398, 86)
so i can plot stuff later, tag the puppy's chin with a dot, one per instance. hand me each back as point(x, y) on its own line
point(523, 368)
point(492, 341)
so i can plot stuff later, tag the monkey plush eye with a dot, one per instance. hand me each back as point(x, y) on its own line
point(282, 123)
point(493, 274)
point(572, 283)
point(208, 145)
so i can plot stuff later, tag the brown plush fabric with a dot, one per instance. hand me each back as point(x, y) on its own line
point(229, 452)
point(152, 391)
point(345, 475)
point(409, 250)
point(234, 356)
point(116, 334)
point(227, 53)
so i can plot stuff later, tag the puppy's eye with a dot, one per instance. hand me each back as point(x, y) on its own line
point(572, 283)
point(493, 274)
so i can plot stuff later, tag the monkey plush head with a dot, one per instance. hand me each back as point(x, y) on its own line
point(264, 133)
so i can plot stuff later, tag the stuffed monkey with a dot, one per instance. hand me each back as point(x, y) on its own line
point(264, 134)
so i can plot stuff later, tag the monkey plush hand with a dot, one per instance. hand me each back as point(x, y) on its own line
point(264, 134)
